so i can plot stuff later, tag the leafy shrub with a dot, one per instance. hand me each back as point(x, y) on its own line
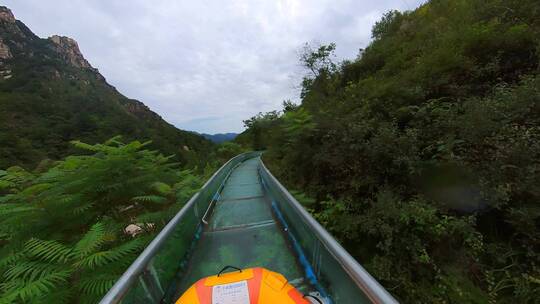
point(62, 237)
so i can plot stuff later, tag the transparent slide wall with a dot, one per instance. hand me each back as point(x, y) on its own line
point(252, 222)
point(328, 272)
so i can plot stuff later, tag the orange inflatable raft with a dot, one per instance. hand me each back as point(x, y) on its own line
point(246, 286)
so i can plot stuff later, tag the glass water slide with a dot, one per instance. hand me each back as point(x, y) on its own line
point(244, 217)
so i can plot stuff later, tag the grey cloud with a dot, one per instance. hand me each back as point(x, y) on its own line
point(205, 65)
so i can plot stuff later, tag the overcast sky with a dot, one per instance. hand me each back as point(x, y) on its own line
point(205, 65)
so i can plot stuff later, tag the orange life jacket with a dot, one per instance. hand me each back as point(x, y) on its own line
point(250, 286)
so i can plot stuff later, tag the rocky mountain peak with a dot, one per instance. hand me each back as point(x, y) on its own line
point(69, 50)
point(6, 15)
point(16, 40)
point(5, 52)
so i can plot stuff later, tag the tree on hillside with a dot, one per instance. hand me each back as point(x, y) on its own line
point(318, 61)
point(258, 125)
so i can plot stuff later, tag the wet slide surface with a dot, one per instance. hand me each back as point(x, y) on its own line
point(243, 232)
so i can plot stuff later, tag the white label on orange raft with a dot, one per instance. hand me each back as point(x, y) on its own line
point(233, 293)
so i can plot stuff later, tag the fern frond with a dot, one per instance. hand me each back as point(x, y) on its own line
point(102, 258)
point(91, 241)
point(136, 145)
point(162, 188)
point(8, 298)
point(115, 140)
point(84, 146)
point(136, 180)
point(69, 198)
point(32, 270)
point(11, 209)
point(108, 187)
point(51, 251)
point(62, 294)
point(118, 267)
point(5, 184)
point(51, 175)
point(83, 208)
point(97, 285)
point(156, 217)
point(27, 291)
point(11, 259)
point(150, 198)
point(70, 186)
point(6, 198)
point(36, 188)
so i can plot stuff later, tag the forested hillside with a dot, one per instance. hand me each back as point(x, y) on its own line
point(422, 155)
point(49, 95)
point(220, 137)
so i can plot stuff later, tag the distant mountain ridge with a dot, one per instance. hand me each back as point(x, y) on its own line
point(220, 137)
point(50, 94)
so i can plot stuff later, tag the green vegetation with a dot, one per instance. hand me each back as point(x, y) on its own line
point(228, 150)
point(47, 101)
point(39, 116)
point(422, 154)
point(63, 236)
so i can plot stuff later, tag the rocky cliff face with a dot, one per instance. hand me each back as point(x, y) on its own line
point(16, 40)
point(6, 15)
point(5, 53)
point(140, 110)
point(18, 44)
point(69, 51)
point(13, 31)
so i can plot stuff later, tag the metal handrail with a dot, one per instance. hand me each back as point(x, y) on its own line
point(373, 289)
point(216, 197)
point(139, 266)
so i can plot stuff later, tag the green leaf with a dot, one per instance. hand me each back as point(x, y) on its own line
point(91, 241)
point(51, 251)
point(103, 258)
point(150, 198)
point(162, 188)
